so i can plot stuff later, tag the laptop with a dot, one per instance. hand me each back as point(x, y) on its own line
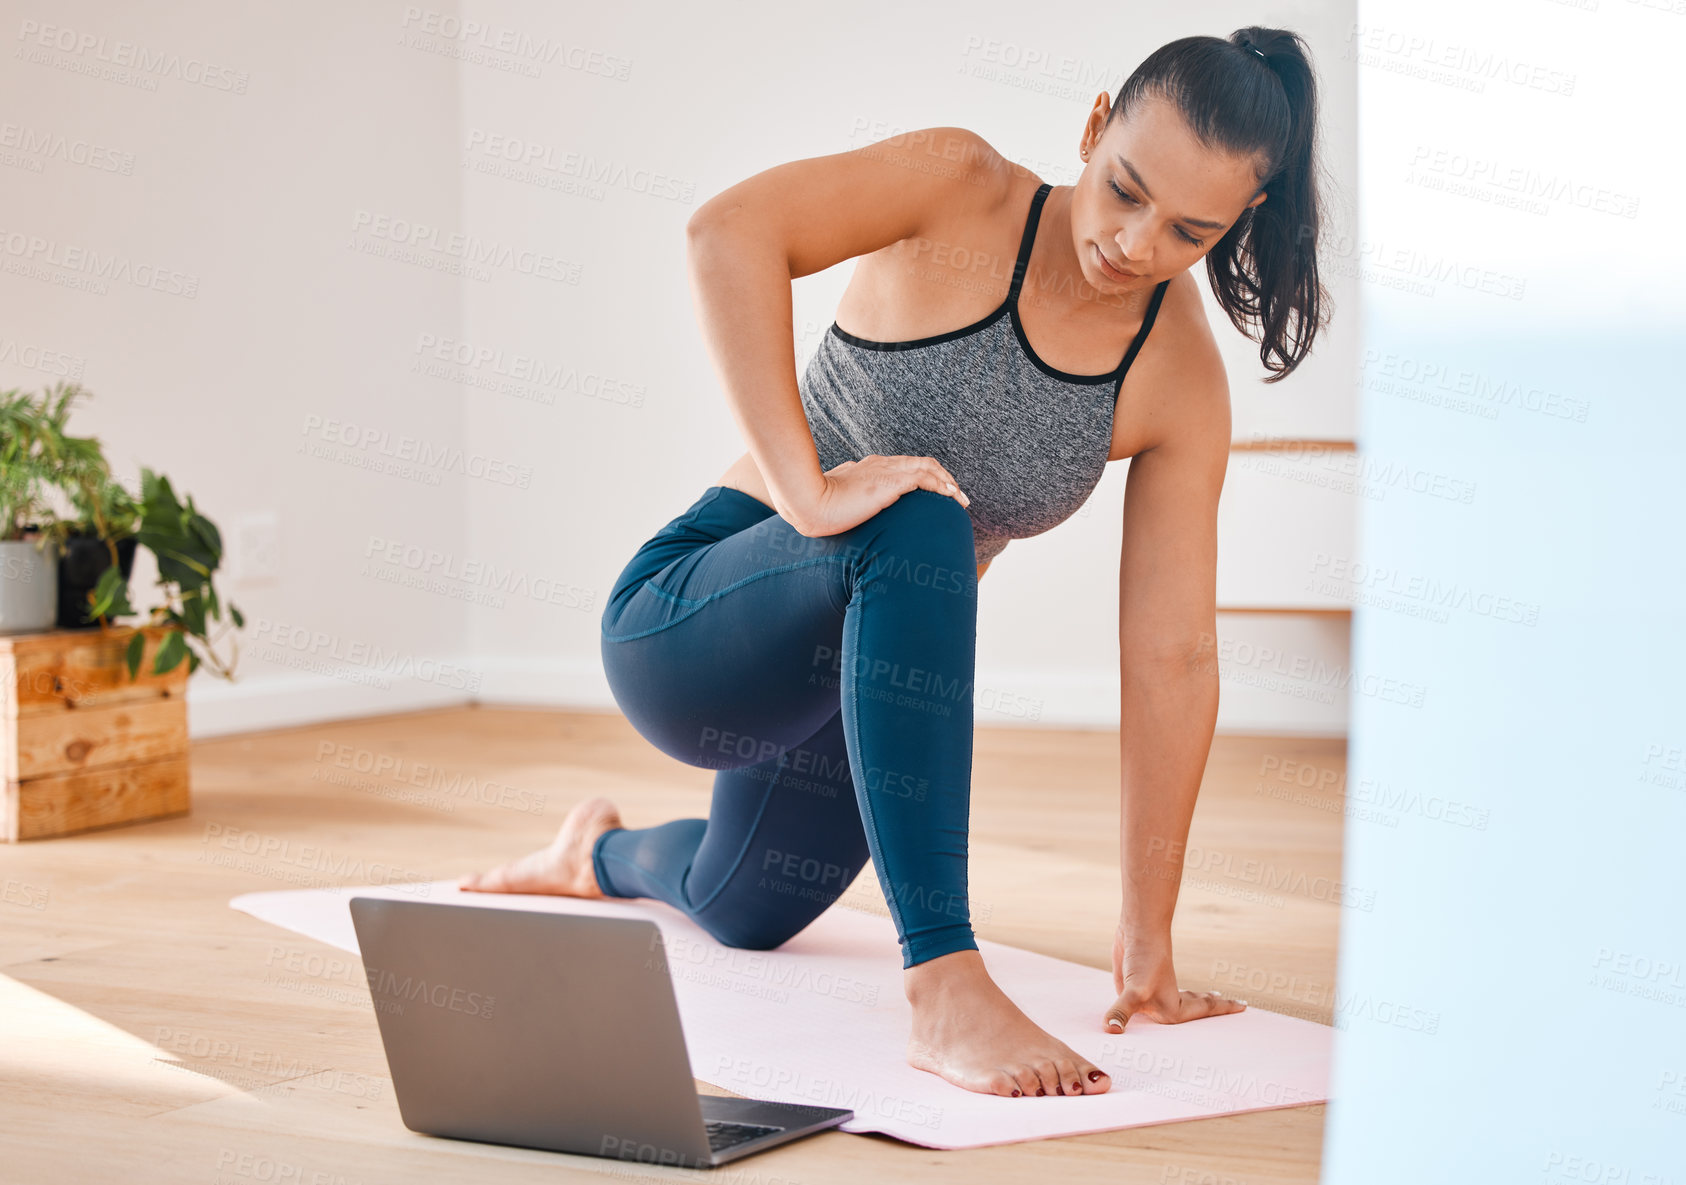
point(550, 1030)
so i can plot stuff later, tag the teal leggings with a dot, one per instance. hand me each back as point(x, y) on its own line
point(828, 681)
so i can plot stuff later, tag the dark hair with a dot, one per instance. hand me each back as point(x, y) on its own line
point(1264, 269)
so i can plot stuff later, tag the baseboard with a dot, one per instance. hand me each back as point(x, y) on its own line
point(1003, 698)
point(262, 703)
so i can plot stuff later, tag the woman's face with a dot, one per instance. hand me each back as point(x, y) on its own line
point(1151, 200)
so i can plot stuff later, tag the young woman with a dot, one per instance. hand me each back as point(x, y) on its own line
point(807, 627)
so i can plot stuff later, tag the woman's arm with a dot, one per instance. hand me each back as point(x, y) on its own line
point(747, 243)
point(1168, 681)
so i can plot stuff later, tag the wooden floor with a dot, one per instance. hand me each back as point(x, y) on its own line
point(148, 1032)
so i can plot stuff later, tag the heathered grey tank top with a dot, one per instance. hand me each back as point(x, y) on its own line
point(1026, 441)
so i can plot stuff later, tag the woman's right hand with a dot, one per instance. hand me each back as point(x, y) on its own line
point(856, 490)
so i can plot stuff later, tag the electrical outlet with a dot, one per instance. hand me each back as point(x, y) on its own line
point(255, 558)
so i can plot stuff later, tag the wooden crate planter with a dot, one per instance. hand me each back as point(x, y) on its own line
point(81, 745)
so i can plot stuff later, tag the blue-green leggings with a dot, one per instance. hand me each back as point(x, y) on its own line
point(828, 680)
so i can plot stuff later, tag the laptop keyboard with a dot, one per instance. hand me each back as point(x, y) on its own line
point(722, 1134)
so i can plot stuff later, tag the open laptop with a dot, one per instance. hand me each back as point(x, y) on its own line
point(550, 1030)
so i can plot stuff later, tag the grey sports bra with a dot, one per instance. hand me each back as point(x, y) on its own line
point(1026, 441)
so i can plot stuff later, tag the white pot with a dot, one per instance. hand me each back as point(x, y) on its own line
point(29, 586)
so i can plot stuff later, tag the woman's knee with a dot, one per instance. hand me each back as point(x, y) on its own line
point(927, 508)
point(764, 932)
point(923, 522)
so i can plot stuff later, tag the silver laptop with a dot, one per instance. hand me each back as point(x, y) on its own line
point(550, 1030)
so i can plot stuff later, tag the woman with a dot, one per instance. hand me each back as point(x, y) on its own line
point(807, 627)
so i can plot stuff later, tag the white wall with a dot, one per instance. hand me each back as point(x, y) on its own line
point(1514, 1008)
point(349, 388)
point(231, 172)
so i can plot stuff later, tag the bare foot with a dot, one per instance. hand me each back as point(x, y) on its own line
point(562, 869)
point(967, 1031)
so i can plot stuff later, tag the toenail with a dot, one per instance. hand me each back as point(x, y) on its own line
point(1015, 1093)
point(1094, 1075)
point(1076, 1086)
point(1039, 1090)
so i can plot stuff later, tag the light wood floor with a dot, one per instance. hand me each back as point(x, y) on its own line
point(150, 1033)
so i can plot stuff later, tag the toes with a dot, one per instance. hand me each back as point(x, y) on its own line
point(1048, 1076)
point(492, 882)
point(1070, 1081)
point(1003, 1083)
point(1029, 1081)
point(518, 876)
point(1095, 1080)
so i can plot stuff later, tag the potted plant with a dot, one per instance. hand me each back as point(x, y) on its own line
point(28, 555)
point(188, 549)
point(98, 534)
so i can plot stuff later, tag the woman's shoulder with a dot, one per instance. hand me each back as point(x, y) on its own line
point(977, 161)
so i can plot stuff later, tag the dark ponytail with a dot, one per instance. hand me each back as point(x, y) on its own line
point(1264, 269)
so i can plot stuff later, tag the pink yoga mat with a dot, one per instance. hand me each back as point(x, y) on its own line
point(822, 1019)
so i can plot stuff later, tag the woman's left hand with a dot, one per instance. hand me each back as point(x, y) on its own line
point(1146, 984)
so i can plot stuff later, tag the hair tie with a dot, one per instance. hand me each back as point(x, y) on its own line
point(1247, 43)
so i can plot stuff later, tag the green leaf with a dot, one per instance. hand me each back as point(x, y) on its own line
point(193, 614)
point(111, 595)
point(205, 532)
point(132, 653)
point(170, 653)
